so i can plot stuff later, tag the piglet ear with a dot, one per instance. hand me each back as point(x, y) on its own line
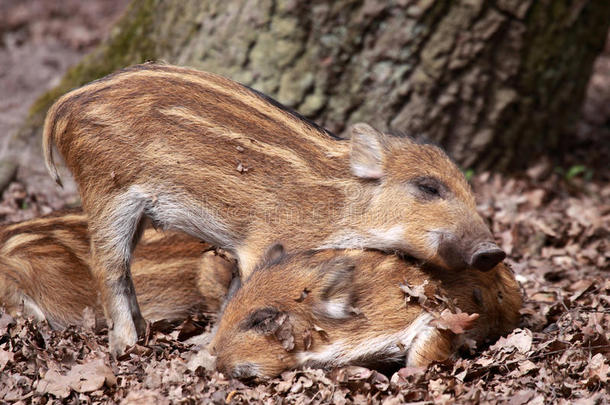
point(337, 295)
point(271, 321)
point(366, 152)
point(274, 253)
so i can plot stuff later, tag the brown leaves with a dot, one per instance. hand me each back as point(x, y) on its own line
point(17, 204)
point(144, 397)
point(86, 377)
point(271, 321)
point(361, 379)
point(597, 370)
point(241, 167)
point(5, 321)
point(519, 339)
point(188, 329)
point(307, 339)
point(447, 316)
point(455, 322)
point(559, 353)
point(5, 358)
point(284, 333)
point(415, 293)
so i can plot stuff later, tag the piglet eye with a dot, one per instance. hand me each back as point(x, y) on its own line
point(428, 189)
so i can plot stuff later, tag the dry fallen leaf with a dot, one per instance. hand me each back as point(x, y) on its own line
point(307, 339)
point(144, 397)
point(242, 168)
point(417, 292)
point(520, 339)
point(598, 368)
point(54, 383)
point(455, 322)
point(86, 377)
point(5, 357)
point(201, 358)
point(522, 397)
point(284, 333)
point(323, 334)
point(527, 366)
point(5, 321)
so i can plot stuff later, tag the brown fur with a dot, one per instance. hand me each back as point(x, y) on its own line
point(45, 272)
point(353, 299)
point(199, 153)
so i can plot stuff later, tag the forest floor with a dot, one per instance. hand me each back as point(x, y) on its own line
point(556, 233)
point(553, 222)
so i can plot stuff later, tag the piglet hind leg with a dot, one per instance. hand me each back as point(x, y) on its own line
point(113, 239)
point(430, 346)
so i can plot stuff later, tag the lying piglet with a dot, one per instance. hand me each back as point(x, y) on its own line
point(45, 272)
point(338, 307)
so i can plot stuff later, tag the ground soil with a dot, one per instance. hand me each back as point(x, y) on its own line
point(554, 222)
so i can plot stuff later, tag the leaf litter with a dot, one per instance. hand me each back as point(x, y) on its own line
point(556, 235)
point(557, 240)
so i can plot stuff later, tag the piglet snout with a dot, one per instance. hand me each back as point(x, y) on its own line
point(486, 256)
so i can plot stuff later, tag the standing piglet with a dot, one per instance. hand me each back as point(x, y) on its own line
point(333, 308)
point(200, 153)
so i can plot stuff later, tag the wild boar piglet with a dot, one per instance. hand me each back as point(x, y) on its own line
point(334, 308)
point(45, 272)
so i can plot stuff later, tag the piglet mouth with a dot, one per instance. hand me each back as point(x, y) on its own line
point(451, 253)
point(244, 371)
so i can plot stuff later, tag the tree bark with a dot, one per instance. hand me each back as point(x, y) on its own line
point(496, 82)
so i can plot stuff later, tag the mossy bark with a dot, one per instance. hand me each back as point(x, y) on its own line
point(497, 83)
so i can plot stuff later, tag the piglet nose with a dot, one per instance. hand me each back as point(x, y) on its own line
point(486, 255)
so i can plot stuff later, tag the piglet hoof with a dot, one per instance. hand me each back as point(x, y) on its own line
point(121, 339)
point(140, 326)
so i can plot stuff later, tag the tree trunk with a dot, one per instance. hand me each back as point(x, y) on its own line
point(497, 83)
